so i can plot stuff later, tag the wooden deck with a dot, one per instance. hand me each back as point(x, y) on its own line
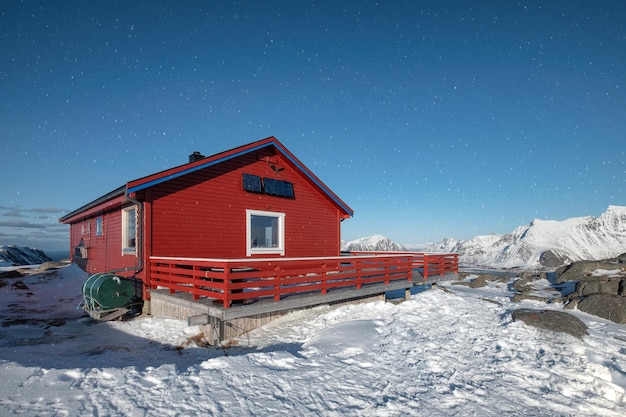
point(205, 307)
point(229, 297)
point(233, 281)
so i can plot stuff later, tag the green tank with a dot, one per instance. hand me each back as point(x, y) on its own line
point(106, 291)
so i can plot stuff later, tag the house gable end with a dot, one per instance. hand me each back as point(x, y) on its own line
point(161, 177)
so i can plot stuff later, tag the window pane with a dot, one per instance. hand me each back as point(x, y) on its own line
point(264, 231)
point(99, 226)
point(278, 187)
point(131, 225)
point(252, 183)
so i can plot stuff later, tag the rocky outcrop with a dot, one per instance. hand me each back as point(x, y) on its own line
point(578, 270)
point(611, 307)
point(600, 287)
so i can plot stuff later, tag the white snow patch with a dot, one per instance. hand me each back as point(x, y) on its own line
point(441, 353)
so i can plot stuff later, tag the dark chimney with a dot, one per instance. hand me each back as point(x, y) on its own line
point(196, 156)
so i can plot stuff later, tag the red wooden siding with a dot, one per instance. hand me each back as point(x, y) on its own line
point(203, 214)
point(104, 253)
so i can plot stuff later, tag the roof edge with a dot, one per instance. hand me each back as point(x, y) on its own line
point(169, 174)
point(109, 196)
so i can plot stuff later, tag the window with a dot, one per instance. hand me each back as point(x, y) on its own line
point(265, 232)
point(99, 226)
point(278, 188)
point(129, 230)
point(252, 183)
point(269, 186)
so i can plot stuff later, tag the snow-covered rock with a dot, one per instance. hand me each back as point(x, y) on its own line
point(377, 243)
point(11, 255)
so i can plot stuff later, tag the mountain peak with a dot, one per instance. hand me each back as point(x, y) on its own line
point(531, 246)
point(11, 255)
point(378, 243)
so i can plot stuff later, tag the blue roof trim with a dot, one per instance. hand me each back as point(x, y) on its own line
point(243, 152)
point(192, 169)
point(318, 183)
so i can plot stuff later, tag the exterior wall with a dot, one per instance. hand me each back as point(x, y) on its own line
point(203, 214)
point(104, 252)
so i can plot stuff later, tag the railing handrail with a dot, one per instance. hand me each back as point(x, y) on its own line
point(235, 260)
point(230, 280)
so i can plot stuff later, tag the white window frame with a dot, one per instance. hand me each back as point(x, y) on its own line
point(278, 250)
point(126, 249)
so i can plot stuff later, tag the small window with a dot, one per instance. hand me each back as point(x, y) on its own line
point(252, 183)
point(99, 226)
point(129, 231)
point(265, 232)
point(278, 188)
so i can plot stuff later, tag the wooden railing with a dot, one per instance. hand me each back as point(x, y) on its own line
point(237, 280)
point(428, 264)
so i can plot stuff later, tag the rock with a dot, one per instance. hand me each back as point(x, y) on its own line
point(600, 285)
point(523, 296)
point(484, 279)
point(50, 265)
point(554, 258)
point(10, 274)
point(557, 321)
point(583, 269)
point(608, 306)
point(525, 284)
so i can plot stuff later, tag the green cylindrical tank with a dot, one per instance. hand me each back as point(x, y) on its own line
point(105, 291)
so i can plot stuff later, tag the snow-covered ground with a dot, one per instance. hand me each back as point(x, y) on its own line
point(447, 351)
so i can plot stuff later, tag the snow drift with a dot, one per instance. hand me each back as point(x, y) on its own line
point(441, 353)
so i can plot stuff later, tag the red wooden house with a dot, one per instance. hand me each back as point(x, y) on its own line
point(254, 201)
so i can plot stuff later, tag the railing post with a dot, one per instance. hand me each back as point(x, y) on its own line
point(227, 286)
point(324, 277)
point(425, 265)
point(276, 283)
point(358, 271)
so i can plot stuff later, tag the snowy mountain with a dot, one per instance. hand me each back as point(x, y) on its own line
point(372, 243)
point(544, 243)
point(11, 255)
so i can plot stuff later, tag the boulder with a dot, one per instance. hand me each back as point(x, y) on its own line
point(579, 269)
point(554, 258)
point(600, 285)
point(583, 269)
point(557, 321)
point(608, 306)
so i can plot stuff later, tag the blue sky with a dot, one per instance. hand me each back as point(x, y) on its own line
point(430, 119)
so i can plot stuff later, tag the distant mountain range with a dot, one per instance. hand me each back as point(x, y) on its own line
point(541, 244)
point(377, 243)
point(11, 255)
